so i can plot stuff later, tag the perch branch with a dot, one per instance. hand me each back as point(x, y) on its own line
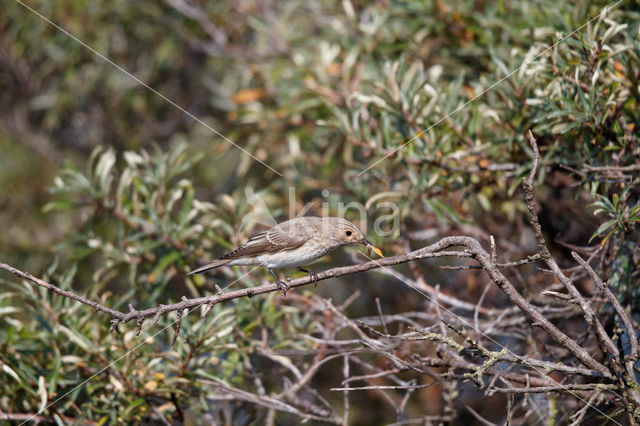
point(472, 248)
point(431, 251)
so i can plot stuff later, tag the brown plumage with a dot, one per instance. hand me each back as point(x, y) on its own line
point(293, 243)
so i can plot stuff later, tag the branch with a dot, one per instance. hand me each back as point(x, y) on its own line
point(473, 249)
point(71, 295)
point(629, 360)
point(605, 342)
point(626, 319)
point(632, 168)
point(224, 392)
point(562, 388)
point(531, 203)
point(123, 317)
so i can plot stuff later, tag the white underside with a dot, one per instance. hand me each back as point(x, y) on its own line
point(300, 256)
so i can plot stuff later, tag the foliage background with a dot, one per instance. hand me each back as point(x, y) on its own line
point(107, 189)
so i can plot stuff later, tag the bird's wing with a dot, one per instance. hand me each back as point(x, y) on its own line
point(285, 236)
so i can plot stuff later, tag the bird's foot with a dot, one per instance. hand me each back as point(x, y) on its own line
point(314, 278)
point(313, 275)
point(281, 284)
point(283, 287)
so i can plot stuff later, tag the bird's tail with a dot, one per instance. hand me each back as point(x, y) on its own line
point(209, 266)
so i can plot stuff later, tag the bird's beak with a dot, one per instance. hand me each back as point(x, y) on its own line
point(370, 246)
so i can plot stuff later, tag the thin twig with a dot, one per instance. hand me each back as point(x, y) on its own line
point(562, 388)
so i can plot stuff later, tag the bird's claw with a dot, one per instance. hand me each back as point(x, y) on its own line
point(313, 275)
point(314, 278)
point(281, 284)
point(283, 287)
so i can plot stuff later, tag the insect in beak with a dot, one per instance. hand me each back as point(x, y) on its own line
point(371, 247)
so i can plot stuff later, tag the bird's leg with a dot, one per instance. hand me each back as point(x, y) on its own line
point(312, 274)
point(281, 284)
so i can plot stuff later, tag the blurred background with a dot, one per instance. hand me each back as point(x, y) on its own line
point(109, 190)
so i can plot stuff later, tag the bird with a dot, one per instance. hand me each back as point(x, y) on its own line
point(293, 243)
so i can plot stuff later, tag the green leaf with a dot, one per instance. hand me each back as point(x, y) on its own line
point(484, 201)
point(450, 212)
point(53, 376)
point(602, 228)
point(164, 262)
point(131, 407)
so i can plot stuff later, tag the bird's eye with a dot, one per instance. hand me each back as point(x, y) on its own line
point(349, 233)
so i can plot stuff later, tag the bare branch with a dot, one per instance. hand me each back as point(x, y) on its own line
point(231, 393)
point(590, 317)
point(432, 251)
point(472, 249)
point(531, 204)
point(624, 315)
point(561, 388)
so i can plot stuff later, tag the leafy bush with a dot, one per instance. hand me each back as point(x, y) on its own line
point(423, 104)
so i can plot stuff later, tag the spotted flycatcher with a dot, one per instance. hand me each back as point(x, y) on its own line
point(293, 243)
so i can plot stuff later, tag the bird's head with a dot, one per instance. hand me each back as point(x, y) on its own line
point(344, 233)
